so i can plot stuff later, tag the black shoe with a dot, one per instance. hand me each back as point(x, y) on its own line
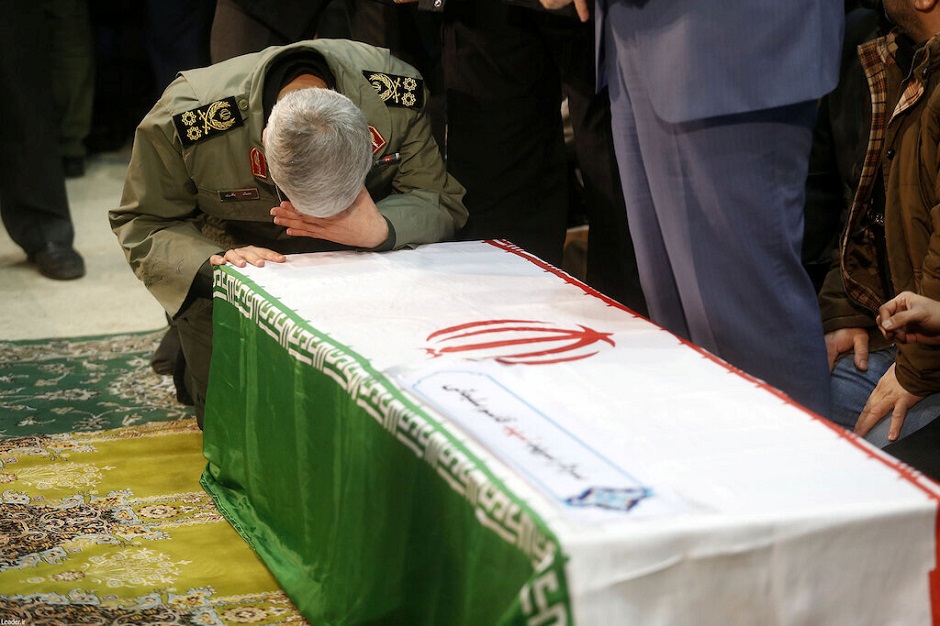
point(58, 261)
point(73, 167)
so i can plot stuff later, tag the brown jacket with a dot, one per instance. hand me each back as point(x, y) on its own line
point(905, 143)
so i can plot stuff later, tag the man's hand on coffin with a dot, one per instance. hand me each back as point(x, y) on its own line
point(359, 226)
point(240, 257)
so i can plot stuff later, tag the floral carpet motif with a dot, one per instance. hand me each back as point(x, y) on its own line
point(112, 526)
point(87, 384)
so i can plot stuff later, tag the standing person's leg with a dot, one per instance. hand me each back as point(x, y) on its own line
point(234, 33)
point(374, 22)
point(725, 231)
point(178, 33)
point(242, 27)
point(73, 73)
point(657, 275)
point(33, 202)
point(742, 208)
point(611, 259)
point(505, 142)
point(513, 171)
point(411, 35)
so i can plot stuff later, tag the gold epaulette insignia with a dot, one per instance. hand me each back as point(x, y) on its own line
point(397, 91)
point(207, 121)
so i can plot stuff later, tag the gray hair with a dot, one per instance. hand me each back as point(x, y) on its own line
point(319, 150)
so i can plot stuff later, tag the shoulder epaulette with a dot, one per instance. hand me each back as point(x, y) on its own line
point(397, 91)
point(207, 121)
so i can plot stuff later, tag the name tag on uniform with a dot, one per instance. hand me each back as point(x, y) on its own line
point(239, 195)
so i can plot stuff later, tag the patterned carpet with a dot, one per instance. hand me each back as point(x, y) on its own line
point(102, 519)
point(87, 384)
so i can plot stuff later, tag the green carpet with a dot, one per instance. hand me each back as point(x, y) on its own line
point(92, 383)
point(104, 525)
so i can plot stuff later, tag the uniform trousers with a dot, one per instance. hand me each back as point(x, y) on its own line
point(506, 69)
point(716, 213)
point(920, 450)
point(194, 326)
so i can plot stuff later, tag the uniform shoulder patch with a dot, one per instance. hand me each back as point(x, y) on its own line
point(208, 121)
point(397, 91)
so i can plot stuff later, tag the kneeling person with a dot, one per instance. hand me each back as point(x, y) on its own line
point(337, 127)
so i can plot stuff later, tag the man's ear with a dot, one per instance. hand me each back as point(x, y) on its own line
point(925, 6)
point(264, 138)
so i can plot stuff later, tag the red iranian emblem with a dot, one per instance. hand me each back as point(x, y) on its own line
point(518, 342)
point(259, 167)
point(378, 141)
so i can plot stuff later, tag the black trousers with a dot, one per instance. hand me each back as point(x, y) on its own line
point(411, 35)
point(506, 69)
point(195, 338)
point(33, 203)
point(243, 26)
point(178, 33)
point(920, 449)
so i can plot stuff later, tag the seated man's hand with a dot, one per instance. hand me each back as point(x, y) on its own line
point(888, 396)
point(910, 318)
point(844, 340)
point(240, 257)
point(359, 226)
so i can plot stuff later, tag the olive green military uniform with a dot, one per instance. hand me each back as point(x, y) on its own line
point(188, 197)
point(198, 184)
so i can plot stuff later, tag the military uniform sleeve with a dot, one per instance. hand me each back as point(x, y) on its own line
point(158, 222)
point(426, 205)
